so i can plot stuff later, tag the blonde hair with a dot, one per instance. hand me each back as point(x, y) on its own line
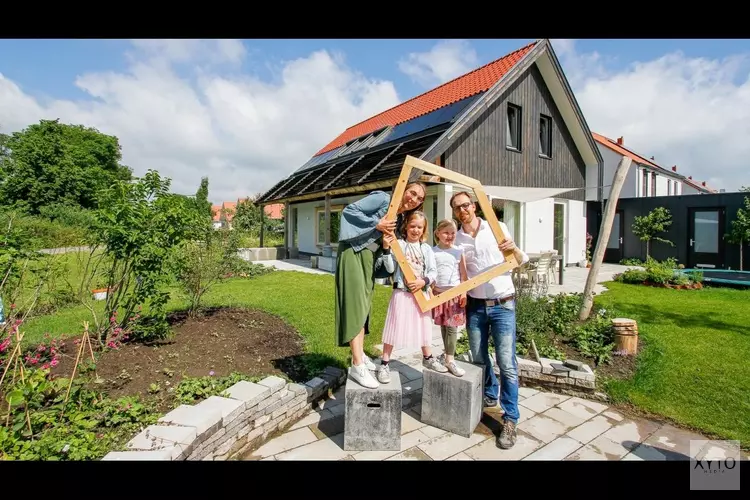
point(442, 225)
point(413, 215)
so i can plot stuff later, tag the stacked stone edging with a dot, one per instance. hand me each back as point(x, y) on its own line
point(220, 428)
point(565, 376)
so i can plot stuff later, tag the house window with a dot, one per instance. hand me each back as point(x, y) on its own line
point(320, 225)
point(644, 187)
point(653, 183)
point(545, 136)
point(669, 187)
point(514, 127)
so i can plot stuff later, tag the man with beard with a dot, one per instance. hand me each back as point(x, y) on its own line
point(490, 310)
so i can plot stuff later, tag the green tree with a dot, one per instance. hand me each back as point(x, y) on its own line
point(201, 198)
point(55, 163)
point(739, 234)
point(140, 226)
point(647, 227)
point(247, 218)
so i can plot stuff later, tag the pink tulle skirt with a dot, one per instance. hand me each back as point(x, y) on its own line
point(405, 324)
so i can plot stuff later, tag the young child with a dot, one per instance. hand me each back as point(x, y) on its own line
point(405, 323)
point(451, 270)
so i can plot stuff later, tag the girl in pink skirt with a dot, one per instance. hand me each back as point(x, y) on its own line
point(405, 323)
point(451, 271)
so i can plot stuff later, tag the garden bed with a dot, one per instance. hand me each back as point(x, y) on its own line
point(215, 343)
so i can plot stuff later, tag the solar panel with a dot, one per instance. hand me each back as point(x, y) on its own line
point(317, 160)
point(430, 120)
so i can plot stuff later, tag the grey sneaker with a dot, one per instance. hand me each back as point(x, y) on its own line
point(455, 369)
point(489, 402)
point(433, 364)
point(508, 436)
point(384, 374)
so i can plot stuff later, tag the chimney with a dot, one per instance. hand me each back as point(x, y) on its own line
point(704, 183)
point(620, 141)
point(674, 168)
point(690, 177)
point(652, 158)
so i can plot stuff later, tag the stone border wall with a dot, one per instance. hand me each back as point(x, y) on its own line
point(220, 428)
point(566, 376)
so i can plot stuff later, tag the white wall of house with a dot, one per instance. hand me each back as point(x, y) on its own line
point(611, 160)
point(538, 228)
point(592, 182)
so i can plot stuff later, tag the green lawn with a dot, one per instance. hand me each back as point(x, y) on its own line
point(695, 367)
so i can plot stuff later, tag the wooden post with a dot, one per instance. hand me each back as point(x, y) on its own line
point(262, 224)
point(604, 230)
point(328, 220)
point(286, 230)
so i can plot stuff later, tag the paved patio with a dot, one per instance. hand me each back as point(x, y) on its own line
point(552, 427)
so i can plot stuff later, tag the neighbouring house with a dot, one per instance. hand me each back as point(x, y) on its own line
point(698, 230)
point(275, 211)
point(224, 213)
point(644, 179)
point(513, 124)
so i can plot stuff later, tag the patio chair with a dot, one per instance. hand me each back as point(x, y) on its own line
point(540, 273)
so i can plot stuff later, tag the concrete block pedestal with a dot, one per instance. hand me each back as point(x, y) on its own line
point(372, 417)
point(451, 403)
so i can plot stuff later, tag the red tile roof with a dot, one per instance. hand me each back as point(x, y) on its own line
point(474, 82)
point(611, 144)
point(274, 211)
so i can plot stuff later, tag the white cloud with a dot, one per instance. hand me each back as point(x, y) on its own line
point(445, 61)
point(689, 112)
point(243, 133)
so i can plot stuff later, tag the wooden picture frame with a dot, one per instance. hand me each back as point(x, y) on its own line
point(425, 304)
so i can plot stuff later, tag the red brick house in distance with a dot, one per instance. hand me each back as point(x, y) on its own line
point(513, 124)
point(224, 213)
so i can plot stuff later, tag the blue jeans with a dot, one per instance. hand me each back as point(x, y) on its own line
point(500, 322)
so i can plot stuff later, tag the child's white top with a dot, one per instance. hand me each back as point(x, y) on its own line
point(447, 260)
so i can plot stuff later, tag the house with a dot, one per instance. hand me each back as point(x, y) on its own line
point(513, 124)
point(274, 211)
point(224, 213)
point(644, 179)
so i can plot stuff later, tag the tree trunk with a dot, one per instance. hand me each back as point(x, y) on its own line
point(605, 229)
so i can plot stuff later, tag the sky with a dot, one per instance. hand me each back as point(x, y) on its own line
point(246, 113)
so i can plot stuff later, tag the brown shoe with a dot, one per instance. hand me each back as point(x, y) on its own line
point(508, 436)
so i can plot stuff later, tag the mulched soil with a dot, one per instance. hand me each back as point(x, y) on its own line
point(216, 343)
point(619, 367)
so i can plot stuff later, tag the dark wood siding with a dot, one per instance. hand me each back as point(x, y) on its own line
point(480, 152)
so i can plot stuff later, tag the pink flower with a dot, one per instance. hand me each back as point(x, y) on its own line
point(211, 373)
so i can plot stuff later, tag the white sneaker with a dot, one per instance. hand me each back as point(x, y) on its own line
point(384, 374)
point(433, 364)
point(368, 363)
point(455, 369)
point(363, 377)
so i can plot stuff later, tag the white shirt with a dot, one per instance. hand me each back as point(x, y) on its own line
point(447, 261)
point(481, 253)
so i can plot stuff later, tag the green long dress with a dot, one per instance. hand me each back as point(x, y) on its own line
point(355, 287)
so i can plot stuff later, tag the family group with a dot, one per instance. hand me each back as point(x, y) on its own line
point(466, 247)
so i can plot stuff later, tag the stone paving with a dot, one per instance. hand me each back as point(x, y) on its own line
point(552, 427)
